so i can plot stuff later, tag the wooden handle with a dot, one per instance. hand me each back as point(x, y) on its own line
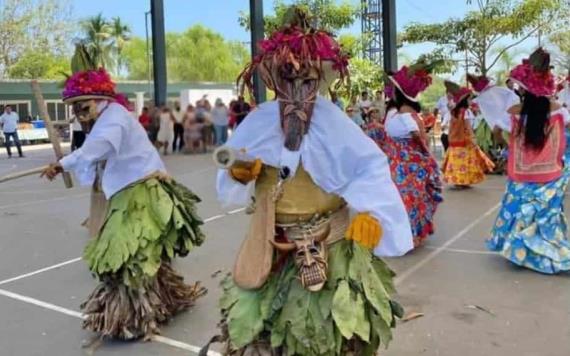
point(52, 134)
point(22, 174)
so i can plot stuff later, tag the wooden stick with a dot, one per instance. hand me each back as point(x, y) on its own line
point(52, 134)
point(22, 174)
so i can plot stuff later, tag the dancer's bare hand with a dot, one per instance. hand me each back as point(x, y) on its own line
point(52, 171)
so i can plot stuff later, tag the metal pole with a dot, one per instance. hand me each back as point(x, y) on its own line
point(158, 51)
point(148, 57)
point(389, 33)
point(257, 32)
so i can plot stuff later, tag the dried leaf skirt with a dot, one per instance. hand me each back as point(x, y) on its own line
point(352, 315)
point(146, 226)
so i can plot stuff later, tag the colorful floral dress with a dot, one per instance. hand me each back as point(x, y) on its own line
point(531, 227)
point(464, 164)
point(416, 174)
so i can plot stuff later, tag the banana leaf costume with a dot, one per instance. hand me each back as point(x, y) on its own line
point(299, 287)
point(148, 220)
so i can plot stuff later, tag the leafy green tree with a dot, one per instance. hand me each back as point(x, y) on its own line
point(120, 34)
point(135, 59)
point(34, 65)
point(325, 14)
point(197, 54)
point(32, 26)
point(561, 40)
point(493, 23)
point(97, 40)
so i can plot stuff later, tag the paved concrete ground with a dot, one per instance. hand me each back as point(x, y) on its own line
point(528, 314)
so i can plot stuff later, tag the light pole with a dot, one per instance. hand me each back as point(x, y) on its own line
point(148, 60)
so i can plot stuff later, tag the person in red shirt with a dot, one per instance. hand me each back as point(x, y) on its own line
point(145, 119)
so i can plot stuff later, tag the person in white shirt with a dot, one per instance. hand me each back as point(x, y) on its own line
point(442, 108)
point(9, 121)
point(220, 117)
point(178, 140)
point(364, 105)
point(77, 134)
point(149, 218)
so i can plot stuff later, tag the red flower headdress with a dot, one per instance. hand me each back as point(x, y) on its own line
point(534, 74)
point(297, 44)
point(413, 80)
point(459, 93)
point(478, 82)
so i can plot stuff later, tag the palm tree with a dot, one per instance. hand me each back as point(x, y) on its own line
point(120, 34)
point(97, 34)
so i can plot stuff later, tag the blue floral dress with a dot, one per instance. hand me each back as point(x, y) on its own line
point(531, 228)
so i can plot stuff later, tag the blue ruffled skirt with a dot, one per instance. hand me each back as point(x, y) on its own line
point(531, 228)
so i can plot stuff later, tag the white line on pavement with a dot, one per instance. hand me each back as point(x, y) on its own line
point(77, 259)
point(469, 252)
point(407, 273)
point(40, 271)
point(18, 205)
point(75, 314)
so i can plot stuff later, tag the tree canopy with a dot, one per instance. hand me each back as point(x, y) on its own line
point(197, 54)
point(34, 37)
point(324, 14)
point(481, 31)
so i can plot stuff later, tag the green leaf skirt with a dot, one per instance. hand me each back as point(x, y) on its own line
point(352, 315)
point(147, 224)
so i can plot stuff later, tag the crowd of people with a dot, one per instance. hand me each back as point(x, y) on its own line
point(195, 129)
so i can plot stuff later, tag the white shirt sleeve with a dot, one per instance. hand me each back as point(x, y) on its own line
point(104, 141)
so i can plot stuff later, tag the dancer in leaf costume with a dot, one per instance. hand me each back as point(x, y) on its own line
point(307, 280)
point(149, 218)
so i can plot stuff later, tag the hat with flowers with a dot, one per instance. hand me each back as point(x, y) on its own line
point(298, 45)
point(534, 74)
point(457, 91)
point(413, 80)
point(478, 82)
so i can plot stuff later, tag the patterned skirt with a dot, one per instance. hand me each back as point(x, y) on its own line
point(531, 228)
point(418, 179)
point(465, 165)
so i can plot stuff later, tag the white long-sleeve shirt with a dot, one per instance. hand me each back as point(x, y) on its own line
point(340, 159)
point(118, 138)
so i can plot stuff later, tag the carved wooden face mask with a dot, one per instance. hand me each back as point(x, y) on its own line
point(86, 113)
point(296, 88)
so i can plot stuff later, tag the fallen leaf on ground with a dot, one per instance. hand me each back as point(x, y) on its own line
point(477, 307)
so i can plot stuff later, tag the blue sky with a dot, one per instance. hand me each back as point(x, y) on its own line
point(221, 15)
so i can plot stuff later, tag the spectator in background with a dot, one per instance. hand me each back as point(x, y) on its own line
point(154, 125)
point(442, 108)
point(178, 139)
point(364, 105)
point(355, 116)
point(379, 103)
point(428, 119)
point(193, 133)
point(166, 129)
point(77, 134)
point(232, 122)
point(241, 109)
point(335, 99)
point(145, 119)
point(9, 121)
point(220, 118)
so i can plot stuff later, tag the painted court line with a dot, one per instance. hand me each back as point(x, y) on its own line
point(40, 271)
point(469, 252)
point(75, 314)
point(18, 205)
point(406, 274)
point(77, 259)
